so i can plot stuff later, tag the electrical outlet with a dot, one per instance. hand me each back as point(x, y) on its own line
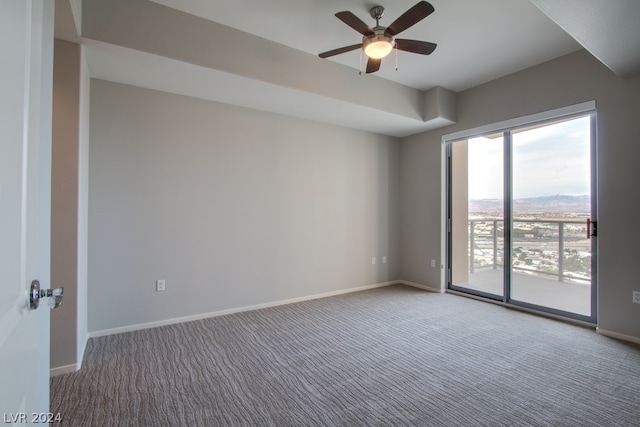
point(160, 285)
point(433, 263)
point(636, 297)
point(384, 259)
point(373, 260)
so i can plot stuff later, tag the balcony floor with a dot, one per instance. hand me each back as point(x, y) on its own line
point(560, 295)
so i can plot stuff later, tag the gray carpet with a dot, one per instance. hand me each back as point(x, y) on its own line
point(393, 356)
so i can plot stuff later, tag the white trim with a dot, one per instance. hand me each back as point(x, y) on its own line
point(81, 352)
point(583, 107)
point(173, 321)
point(618, 336)
point(63, 370)
point(423, 287)
point(76, 11)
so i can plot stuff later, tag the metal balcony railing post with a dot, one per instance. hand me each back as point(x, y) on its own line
point(472, 243)
point(495, 244)
point(561, 251)
point(561, 243)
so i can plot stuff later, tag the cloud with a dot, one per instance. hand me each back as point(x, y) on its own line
point(547, 160)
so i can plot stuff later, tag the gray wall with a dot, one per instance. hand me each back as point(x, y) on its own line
point(64, 200)
point(232, 207)
point(565, 81)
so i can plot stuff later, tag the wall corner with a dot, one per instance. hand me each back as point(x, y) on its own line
point(440, 106)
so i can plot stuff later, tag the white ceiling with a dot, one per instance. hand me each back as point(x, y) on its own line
point(610, 30)
point(478, 41)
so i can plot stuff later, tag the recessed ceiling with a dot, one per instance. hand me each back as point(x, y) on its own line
point(477, 41)
point(609, 30)
point(263, 54)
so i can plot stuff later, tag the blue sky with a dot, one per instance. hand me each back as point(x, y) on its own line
point(549, 160)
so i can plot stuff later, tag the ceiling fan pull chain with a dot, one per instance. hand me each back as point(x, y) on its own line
point(396, 57)
point(360, 72)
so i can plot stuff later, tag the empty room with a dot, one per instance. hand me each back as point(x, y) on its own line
point(312, 212)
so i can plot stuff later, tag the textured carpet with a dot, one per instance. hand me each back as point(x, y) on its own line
point(393, 356)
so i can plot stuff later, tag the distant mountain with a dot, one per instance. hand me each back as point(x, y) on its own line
point(553, 204)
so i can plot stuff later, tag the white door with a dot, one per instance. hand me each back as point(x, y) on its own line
point(26, 70)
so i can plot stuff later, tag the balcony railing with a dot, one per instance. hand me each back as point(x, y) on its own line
point(557, 248)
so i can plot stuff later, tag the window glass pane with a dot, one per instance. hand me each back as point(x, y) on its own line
point(551, 255)
point(478, 214)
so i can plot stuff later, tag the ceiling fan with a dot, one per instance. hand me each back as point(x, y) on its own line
point(377, 42)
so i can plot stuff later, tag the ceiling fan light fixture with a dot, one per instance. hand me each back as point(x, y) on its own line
point(379, 41)
point(377, 46)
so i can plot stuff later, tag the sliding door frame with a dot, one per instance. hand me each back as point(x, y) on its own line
point(506, 127)
point(508, 214)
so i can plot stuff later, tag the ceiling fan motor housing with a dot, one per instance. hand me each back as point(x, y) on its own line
point(379, 44)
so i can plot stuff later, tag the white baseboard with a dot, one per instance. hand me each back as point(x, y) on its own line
point(63, 370)
point(618, 336)
point(173, 321)
point(423, 287)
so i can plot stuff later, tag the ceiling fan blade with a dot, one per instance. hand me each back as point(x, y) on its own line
point(354, 22)
point(415, 46)
point(373, 65)
point(340, 50)
point(417, 13)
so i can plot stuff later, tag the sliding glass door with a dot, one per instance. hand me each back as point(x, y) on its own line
point(520, 208)
point(477, 214)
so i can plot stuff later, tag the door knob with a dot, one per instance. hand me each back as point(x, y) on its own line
point(55, 296)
